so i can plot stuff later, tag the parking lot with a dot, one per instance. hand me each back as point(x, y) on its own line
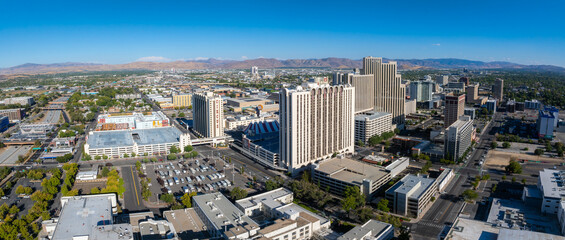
point(191, 175)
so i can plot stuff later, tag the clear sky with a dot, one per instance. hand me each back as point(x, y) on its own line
point(527, 32)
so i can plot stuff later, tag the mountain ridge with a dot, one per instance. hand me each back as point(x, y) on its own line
point(330, 62)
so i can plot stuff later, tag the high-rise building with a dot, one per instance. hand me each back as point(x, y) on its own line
point(532, 104)
point(254, 71)
point(442, 79)
point(364, 91)
point(472, 93)
point(208, 114)
point(498, 89)
point(545, 124)
point(389, 90)
point(454, 108)
point(316, 121)
point(464, 80)
point(491, 105)
point(458, 138)
point(182, 100)
point(421, 91)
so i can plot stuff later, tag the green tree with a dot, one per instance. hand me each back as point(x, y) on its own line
point(238, 193)
point(186, 199)
point(174, 149)
point(383, 205)
point(470, 195)
point(105, 171)
point(171, 156)
point(539, 152)
point(188, 148)
point(513, 167)
point(506, 145)
point(94, 190)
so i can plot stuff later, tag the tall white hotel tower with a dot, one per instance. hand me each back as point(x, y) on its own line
point(316, 121)
point(208, 114)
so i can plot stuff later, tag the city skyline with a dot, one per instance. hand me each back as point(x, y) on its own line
point(125, 32)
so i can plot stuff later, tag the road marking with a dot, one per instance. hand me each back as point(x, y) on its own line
point(134, 187)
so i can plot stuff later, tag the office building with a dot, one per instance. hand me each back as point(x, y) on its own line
point(545, 124)
point(471, 112)
point(87, 217)
point(19, 100)
point(389, 90)
point(454, 108)
point(287, 219)
point(491, 105)
point(316, 121)
point(458, 138)
point(339, 173)
point(442, 79)
point(371, 230)
point(14, 115)
point(134, 120)
point(533, 104)
point(421, 91)
point(208, 115)
point(371, 124)
point(456, 87)
point(4, 123)
point(511, 106)
point(364, 91)
point(223, 219)
point(472, 92)
point(498, 89)
point(154, 141)
point(410, 195)
point(410, 106)
point(182, 100)
point(246, 102)
point(550, 183)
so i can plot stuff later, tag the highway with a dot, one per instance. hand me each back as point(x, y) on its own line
point(446, 208)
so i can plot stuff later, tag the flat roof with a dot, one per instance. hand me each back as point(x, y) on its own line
point(263, 197)
point(553, 183)
point(515, 234)
point(82, 216)
point(376, 228)
point(467, 229)
point(409, 182)
point(349, 170)
point(124, 138)
point(187, 223)
point(371, 115)
point(221, 212)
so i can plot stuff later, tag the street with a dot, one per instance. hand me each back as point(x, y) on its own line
point(133, 201)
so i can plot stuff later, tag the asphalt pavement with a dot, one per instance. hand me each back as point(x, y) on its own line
point(133, 201)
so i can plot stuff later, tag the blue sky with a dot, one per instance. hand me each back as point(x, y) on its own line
point(528, 32)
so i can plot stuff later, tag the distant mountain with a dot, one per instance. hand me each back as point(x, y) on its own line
point(442, 63)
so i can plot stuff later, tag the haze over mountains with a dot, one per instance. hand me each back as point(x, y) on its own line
point(445, 63)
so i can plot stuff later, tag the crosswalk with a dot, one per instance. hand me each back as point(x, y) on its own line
point(431, 224)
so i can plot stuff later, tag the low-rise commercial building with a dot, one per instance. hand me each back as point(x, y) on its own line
point(87, 217)
point(246, 102)
point(339, 173)
point(157, 230)
point(290, 220)
point(128, 96)
point(371, 230)
point(410, 195)
point(371, 124)
point(533, 104)
point(223, 219)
